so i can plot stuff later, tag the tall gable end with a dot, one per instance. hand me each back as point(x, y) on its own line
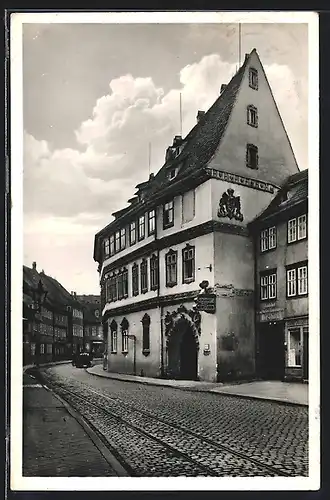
point(255, 142)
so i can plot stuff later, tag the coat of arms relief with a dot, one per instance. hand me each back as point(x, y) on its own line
point(230, 206)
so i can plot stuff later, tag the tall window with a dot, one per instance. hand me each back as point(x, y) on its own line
point(108, 297)
point(171, 260)
point(252, 157)
point(154, 272)
point(135, 279)
point(113, 287)
point(124, 335)
point(268, 288)
point(120, 285)
point(168, 214)
point(141, 228)
point(106, 247)
point(144, 276)
point(112, 244)
point(122, 238)
point(132, 233)
point(253, 78)
point(252, 116)
point(113, 336)
point(188, 206)
point(268, 239)
point(117, 241)
point(146, 334)
point(188, 264)
point(297, 280)
point(151, 222)
point(297, 228)
point(125, 282)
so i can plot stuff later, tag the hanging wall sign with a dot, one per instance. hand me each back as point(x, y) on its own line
point(206, 302)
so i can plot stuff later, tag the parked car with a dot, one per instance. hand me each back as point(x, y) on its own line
point(83, 359)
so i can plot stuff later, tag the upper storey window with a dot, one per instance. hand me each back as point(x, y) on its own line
point(141, 228)
point(252, 158)
point(268, 239)
point(168, 214)
point(132, 233)
point(122, 238)
point(253, 78)
point(151, 222)
point(252, 116)
point(106, 247)
point(297, 228)
point(112, 244)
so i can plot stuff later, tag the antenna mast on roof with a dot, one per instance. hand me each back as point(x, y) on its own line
point(149, 161)
point(239, 44)
point(180, 115)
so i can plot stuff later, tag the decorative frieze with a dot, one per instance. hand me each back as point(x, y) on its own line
point(243, 181)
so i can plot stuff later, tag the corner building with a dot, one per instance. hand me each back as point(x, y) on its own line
point(188, 224)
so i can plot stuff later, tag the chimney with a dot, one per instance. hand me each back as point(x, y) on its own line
point(177, 140)
point(246, 57)
point(200, 114)
point(223, 86)
point(151, 176)
point(34, 266)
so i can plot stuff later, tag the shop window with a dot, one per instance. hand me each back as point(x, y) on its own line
point(188, 264)
point(294, 347)
point(146, 334)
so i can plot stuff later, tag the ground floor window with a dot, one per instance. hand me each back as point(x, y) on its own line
point(294, 347)
point(49, 348)
point(42, 348)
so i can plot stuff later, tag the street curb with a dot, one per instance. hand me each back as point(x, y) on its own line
point(105, 452)
point(209, 391)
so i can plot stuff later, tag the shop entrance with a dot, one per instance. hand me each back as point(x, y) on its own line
point(271, 355)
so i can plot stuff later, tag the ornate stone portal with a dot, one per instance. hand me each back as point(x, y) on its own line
point(193, 318)
point(230, 206)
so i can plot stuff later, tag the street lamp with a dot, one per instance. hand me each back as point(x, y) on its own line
point(133, 337)
point(39, 295)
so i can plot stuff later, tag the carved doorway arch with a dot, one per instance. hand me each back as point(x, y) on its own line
point(182, 344)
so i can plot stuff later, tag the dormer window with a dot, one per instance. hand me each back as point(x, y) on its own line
point(172, 174)
point(253, 78)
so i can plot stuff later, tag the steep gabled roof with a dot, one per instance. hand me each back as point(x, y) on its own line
point(294, 191)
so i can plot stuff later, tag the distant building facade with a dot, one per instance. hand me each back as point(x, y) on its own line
point(56, 332)
point(189, 225)
point(93, 329)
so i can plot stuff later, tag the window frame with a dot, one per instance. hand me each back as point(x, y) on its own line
point(294, 269)
point(168, 208)
point(135, 279)
point(171, 253)
point(141, 236)
point(112, 245)
point(253, 72)
point(144, 276)
point(266, 285)
point(117, 241)
point(123, 238)
point(106, 248)
point(289, 331)
point(132, 230)
point(252, 112)
point(265, 238)
point(113, 337)
point(146, 334)
point(252, 147)
point(185, 252)
point(124, 336)
point(154, 272)
point(297, 225)
point(150, 219)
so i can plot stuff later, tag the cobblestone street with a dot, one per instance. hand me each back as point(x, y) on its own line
point(162, 431)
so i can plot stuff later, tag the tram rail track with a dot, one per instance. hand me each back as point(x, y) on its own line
point(127, 415)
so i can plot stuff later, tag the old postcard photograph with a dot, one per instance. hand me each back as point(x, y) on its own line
point(164, 257)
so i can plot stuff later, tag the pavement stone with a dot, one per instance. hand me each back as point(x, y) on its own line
point(54, 442)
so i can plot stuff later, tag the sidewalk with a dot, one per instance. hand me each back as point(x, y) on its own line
point(57, 441)
point(283, 392)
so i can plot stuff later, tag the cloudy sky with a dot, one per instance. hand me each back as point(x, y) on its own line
point(96, 94)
